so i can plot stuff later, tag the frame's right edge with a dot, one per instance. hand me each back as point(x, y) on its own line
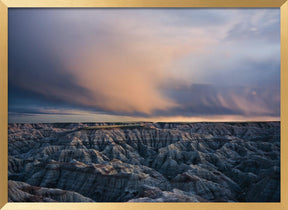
point(284, 104)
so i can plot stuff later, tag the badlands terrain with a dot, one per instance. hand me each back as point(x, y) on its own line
point(144, 162)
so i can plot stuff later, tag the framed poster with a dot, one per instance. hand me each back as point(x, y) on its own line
point(143, 104)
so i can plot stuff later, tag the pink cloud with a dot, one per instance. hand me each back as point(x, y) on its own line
point(126, 73)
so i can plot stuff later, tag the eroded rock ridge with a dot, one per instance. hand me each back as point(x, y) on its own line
point(145, 162)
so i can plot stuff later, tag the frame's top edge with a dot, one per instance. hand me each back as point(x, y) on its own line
point(146, 3)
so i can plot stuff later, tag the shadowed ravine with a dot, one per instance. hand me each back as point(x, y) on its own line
point(144, 162)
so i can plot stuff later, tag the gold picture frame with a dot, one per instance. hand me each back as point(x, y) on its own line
point(5, 4)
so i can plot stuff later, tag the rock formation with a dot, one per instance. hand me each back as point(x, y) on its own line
point(145, 162)
point(23, 192)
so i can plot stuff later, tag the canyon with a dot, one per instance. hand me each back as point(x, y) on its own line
point(144, 162)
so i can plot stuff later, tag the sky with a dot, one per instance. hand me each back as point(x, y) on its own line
point(92, 65)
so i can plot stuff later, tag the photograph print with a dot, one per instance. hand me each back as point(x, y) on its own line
point(143, 105)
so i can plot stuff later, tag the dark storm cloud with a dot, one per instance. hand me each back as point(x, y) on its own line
point(203, 99)
point(34, 71)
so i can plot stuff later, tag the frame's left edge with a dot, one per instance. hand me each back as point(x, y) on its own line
point(3, 103)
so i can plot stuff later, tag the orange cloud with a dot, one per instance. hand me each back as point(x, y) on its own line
point(126, 73)
point(124, 80)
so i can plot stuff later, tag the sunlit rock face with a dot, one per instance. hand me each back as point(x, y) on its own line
point(23, 192)
point(144, 162)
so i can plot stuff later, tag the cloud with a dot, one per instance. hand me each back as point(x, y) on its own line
point(119, 67)
point(213, 100)
point(145, 63)
point(262, 25)
point(125, 75)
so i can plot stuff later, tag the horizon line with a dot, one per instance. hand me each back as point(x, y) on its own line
point(236, 121)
